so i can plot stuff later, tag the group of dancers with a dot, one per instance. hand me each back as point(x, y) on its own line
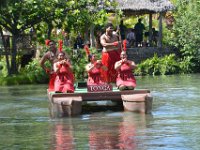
point(113, 67)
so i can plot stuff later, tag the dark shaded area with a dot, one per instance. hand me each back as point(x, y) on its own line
point(26, 58)
point(91, 108)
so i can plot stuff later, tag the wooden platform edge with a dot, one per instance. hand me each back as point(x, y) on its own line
point(70, 104)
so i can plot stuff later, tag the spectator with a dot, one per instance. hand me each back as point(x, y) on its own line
point(78, 42)
point(131, 38)
point(122, 29)
point(154, 36)
point(139, 29)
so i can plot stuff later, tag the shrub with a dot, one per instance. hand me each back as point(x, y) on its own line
point(158, 66)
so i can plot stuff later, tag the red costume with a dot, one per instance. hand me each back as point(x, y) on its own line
point(125, 76)
point(64, 81)
point(94, 76)
point(108, 59)
point(51, 81)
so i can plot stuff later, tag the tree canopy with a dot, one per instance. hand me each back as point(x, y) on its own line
point(18, 16)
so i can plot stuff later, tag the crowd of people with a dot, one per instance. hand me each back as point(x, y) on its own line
point(113, 67)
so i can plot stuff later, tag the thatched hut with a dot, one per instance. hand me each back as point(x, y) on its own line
point(141, 7)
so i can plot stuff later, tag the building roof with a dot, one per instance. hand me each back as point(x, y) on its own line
point(138, 7)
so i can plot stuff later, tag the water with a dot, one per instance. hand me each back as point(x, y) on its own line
point(25, 122)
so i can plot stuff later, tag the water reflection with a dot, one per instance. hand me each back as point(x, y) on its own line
point(103, 135)
point(100, 132)
point(127, 130)
point(64, 138)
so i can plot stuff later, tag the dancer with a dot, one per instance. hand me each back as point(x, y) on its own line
point(125, 78)
point(94, 71)
point(110, 53)
point(64, 81)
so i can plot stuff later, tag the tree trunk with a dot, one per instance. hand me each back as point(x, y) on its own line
point(6, 52)
point(160, 31)
point(50, 27)
point(14, 69)
point(150, 29)
point(92, 39)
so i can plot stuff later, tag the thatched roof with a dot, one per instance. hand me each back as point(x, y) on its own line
point(134, 7)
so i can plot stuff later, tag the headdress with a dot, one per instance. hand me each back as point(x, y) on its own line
point(47, 41)
point(124, 45)
point(87, 50)
point(60, 44)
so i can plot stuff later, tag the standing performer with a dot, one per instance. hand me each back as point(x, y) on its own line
point(50, 56)
point(125, 79)
point(110, 53)
point(64, 81)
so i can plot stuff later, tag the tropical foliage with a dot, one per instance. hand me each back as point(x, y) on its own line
point(159, 66)
point(186, 33)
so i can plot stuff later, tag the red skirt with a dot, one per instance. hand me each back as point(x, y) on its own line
point(51, 81)
point(64, 82)
point(109, 59)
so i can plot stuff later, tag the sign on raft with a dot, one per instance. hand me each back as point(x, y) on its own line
point(99, 88)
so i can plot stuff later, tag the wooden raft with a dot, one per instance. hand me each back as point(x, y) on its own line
point(70, 104)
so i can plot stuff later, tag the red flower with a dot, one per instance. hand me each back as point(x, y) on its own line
point(47, 42)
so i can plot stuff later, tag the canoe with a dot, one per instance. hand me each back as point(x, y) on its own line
point(70, 104)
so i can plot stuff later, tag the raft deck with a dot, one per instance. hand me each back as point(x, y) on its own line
point(70, 104)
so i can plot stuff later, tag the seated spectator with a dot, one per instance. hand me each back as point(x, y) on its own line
point(131, 38)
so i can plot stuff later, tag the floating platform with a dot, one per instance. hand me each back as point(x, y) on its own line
point(70, 104)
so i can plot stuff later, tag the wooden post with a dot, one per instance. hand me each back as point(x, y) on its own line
point(141, 103)
point(160, 32)
point(92, 39)
point(150, 29)
point(71, 108)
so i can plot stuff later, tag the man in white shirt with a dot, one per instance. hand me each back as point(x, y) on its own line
point(130, 38)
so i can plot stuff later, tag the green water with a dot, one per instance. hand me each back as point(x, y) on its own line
point(25, 122)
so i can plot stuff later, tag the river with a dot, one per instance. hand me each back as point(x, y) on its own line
point(25, 122)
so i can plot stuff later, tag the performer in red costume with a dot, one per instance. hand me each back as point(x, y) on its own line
point(110, 53)
point(64, 81)
point(93, 69)
point(50, 56)
point(125, 78)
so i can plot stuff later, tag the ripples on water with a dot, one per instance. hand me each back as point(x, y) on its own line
point(173, 124)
